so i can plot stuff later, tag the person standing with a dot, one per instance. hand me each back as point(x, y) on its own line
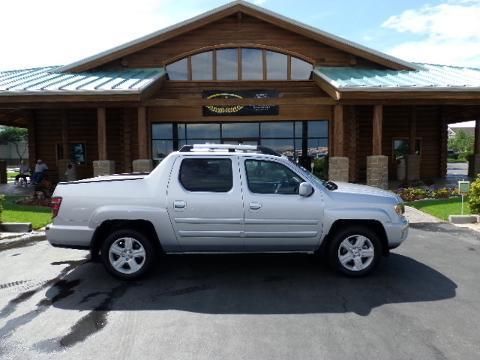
point(39, 173)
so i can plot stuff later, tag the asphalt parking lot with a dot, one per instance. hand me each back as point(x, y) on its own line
point(422, 303)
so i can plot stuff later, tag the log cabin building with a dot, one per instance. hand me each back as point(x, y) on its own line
point(242, 74)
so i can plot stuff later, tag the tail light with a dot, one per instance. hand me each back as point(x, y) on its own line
point(55, 205)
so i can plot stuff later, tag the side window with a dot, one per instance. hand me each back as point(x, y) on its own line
point(211, 175)
point(268, 177)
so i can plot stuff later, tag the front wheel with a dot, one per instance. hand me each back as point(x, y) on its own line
point(355, 251)
point(127, 254)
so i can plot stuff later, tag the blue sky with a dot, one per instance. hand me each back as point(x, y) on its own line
point(55, 32)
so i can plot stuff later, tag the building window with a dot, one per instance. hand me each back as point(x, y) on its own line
point(227, 64)
point(206, 175)
point(77, 153)
point(252, 64)
point(277, 66)
point(202, 66)
point(302, 141)
point(178, 70)
point(401, 148)
point(223, 65)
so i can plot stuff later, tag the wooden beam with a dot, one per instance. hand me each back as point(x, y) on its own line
point(142, 132)
point(328, 88)
point(412, 131)
point(442, 117)
point(477, 137)
point(102, 133)
point(377, 130)
point(233, 102)
point(338, 131)
point(65, 147)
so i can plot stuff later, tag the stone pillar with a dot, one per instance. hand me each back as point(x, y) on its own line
point(475, 166)
point(338, 168)
point(103, 167)
point(377, 171)
point(413, 167)
point(142, 165)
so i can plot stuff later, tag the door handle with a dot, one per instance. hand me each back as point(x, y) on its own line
point(255, 205)
point(179, 204)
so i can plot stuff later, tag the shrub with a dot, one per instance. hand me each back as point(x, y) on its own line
point(412, 194)
point(474, 196)
point(444, 193)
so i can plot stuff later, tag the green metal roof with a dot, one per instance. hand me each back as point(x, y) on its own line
point(426, 77)
point(48, 80)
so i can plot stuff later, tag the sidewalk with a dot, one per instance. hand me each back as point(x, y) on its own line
point(415, 216)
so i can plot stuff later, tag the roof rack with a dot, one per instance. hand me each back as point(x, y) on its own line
point(229, 148)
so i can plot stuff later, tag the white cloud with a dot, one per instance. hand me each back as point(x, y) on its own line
point(57, 32)
point(450, 33)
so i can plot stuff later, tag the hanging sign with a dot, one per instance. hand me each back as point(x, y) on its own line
point(240, 110)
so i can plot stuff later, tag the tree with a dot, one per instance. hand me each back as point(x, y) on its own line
point(461, 142)
point(15, 136)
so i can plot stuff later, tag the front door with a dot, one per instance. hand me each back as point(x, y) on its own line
point(277, 218)
point(205, 203)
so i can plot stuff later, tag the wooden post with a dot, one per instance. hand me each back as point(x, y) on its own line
point(377, 130)
point(338, 131)
point(477, 137)
point(413, 132)
point(142, 133)
point(102, 133)
point(65, 147)
point(127, 141)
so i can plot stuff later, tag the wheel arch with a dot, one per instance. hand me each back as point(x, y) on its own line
point(108, 226)
point(341, 224)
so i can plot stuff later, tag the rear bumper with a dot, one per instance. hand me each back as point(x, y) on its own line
point(396, 233)
point(74, 237)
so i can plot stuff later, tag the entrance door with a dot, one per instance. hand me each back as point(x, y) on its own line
point(277, 218)
point(205, 203)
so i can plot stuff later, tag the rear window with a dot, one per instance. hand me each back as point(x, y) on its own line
point(210, 175)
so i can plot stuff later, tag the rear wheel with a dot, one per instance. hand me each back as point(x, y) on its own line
point(355, 251)
point(127, 254)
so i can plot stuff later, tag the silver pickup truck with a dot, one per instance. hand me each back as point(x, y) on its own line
point(225, 199)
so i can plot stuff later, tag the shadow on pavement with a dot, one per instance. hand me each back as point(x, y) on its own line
point(254, 284)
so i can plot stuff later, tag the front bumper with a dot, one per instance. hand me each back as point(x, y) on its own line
point(396, 233)
point(69, 236)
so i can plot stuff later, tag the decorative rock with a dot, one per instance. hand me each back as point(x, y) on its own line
point(142, 165)
point(377, 171)
point(338, 168)
point(103, 167)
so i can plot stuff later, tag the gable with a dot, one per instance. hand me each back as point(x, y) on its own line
point(246, 31)
point(234, 13)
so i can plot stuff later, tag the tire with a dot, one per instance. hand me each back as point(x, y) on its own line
point(127, 254)
point(355, 251)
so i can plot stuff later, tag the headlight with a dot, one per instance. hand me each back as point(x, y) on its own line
point(400, 209)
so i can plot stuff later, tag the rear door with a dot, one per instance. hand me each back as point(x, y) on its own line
point(277, 218)
point(205, 203)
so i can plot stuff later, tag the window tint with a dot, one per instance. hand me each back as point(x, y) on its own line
point(301, 70)
point(268, 177)
point(202, 66)
point(212, 175)
point(227, 64)
point(178, 70)
point(277, 66)
point(252, 64)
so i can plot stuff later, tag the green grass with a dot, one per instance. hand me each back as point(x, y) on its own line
point(39, 216)
point(457, 161)
point(11, 174)
point(441, 208)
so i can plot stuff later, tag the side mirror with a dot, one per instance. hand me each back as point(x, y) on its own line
point(305, 189)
